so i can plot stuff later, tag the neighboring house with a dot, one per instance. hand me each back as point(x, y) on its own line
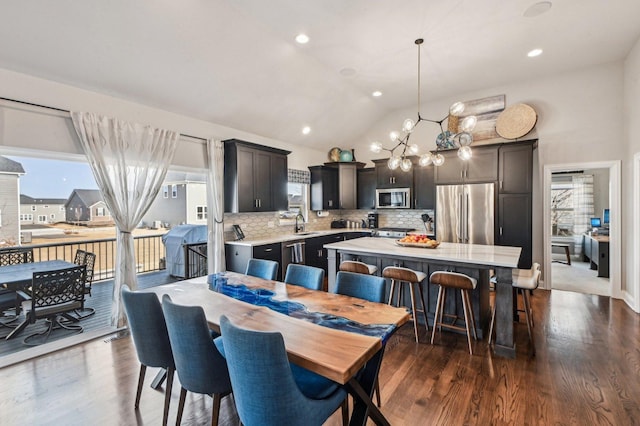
point(181, 200)
point(10, 172)
point(41, 210)
point(86, 207)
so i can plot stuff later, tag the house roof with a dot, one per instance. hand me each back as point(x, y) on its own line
point(235, 62)
point(8, 166)
point(25, 199)
point(89, 197)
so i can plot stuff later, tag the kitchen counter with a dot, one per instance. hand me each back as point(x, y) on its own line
point(474, 260)
point(293, 237)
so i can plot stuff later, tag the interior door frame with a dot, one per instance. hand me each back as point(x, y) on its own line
point(633, 300)
point(615, 248)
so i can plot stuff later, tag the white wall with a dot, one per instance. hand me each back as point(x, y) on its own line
point(631, 102)
point(45, 130)
point(580, 119)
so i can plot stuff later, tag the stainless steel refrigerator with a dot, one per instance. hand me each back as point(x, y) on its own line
point(465, 213)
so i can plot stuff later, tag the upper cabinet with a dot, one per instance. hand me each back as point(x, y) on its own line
point(255, 177)
point(387, 178)
point(367, 188)
point(334, 186)
point(516, 168)
point(424, 194)
point(483, 167)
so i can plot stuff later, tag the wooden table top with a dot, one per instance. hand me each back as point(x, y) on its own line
point(335, 354)
point(22, 273)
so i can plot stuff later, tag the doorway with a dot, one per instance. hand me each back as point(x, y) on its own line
point(576, 199)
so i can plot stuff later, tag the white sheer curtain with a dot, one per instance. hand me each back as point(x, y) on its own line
point(129, 162)
point(215, 202)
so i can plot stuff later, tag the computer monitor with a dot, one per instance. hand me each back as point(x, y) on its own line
point(595, 222)
point(605, 217)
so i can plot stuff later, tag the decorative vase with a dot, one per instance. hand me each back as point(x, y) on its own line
point(345, 156)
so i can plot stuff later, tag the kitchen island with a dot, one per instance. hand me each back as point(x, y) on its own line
point(472, 259)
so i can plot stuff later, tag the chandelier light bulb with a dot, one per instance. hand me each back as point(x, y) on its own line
point(405, 165)
point(438, 160)
point(457, 108)
point(413, 148)
point(464, 153)
point(375, 147)
point(425, 159)
point(469, 123)
point(464, 139)
point(408, 125)
point(394, 136)
point(393, 162)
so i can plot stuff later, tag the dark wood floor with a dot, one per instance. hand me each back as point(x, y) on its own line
point(586, 372)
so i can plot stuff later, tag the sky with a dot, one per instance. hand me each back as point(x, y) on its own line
point(53, 178)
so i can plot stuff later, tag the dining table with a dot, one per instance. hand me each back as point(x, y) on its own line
point(19, 276)
point(339, 337)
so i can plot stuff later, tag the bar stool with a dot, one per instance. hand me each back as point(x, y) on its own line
point(524, 281)
point(357, 267)
point(460, 281)
point(411, 277)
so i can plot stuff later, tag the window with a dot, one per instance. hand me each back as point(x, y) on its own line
point(27, 216)
point(45, 206)
point(61, 208)
point(165, 191)
point(42, 218)
point(571, 204)
point(174, 191)
point(201, 212)
point(33, 208)
point(297, 197)
point(100, 211)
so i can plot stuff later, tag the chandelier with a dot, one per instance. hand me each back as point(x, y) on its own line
point(445, 140)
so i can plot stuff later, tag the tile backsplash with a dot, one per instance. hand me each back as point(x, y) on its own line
point(266, 225)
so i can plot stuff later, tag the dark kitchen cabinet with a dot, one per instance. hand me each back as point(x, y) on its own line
point(237, 256)
point(315, 254)
point(255, 177)
point(334, 186)
point(516, 168)
point(424, 194)
point(367, 188)
point(387, 178)
point(482, 167)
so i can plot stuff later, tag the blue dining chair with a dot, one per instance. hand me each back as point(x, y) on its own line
point(306, 276)
point(149, 332)
point(261, 268)
point(200, 366)
point(264, 386)
point(367, 287)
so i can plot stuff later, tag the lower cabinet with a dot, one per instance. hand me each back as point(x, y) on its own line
point(237, 256)
point(514, 225)
point(316, 254)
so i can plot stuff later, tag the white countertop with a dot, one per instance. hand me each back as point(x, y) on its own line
point(476, 254)
point(294, 237)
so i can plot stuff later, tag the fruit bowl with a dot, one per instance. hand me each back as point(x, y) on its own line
point(421, 241)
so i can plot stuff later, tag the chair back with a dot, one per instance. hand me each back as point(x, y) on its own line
point(148, 328)
point(200, 366)
point(261, 268)
point(54, 292)
point(15, 255)
point(355, 266)
point(264, 387)
point(88, 259)
point(306, 276)
point(367, 287)
point(453, 280)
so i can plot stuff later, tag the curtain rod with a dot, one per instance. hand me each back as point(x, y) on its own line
point(69, 112)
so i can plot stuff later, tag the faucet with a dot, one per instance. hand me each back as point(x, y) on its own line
point(299, 228)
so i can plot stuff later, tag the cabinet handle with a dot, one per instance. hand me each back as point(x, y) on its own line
point(501, 230)
point(268, 250)
point(320, 253)
point(259, 202)
point(500, 184)
point(330, 203)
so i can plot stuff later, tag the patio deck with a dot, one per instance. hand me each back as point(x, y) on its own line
point(100, 300)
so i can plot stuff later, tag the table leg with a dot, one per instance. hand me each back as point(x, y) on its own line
point(332, 269)
point(505, 344)
point(361, 388)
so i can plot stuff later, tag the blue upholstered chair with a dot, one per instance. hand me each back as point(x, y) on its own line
point(265, 387)
point(150, 336)
point(200, 366)
point(305, 276)
point(261, 268)
point(367, 287)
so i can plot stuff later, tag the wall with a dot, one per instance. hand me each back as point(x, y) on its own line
point(580, 119)
point(631, 102)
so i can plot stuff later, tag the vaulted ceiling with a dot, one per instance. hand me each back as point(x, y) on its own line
point(236, 62)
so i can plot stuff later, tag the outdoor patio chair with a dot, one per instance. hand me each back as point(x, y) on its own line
point(15, 255)
point(87, 259)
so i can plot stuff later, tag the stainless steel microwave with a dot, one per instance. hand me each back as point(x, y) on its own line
point(393, 198)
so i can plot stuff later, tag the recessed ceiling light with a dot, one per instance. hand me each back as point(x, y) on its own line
point(347, 72)
point(535, 52)
point(376, 94)
point(306, 130)
point(302, 38)
point(537, 9)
